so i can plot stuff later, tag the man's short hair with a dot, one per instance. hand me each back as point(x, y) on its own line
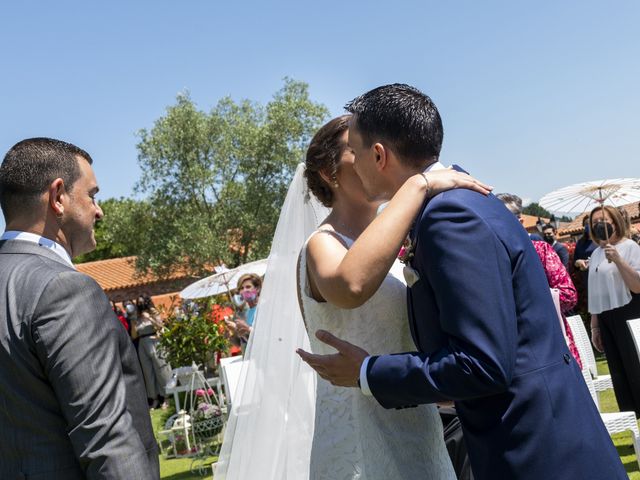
point(512, 202)
point(404, 118)
point(255, 280)
point(30, 166)
point(551, 226)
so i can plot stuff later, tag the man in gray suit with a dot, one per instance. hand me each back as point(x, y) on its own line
point(72, 398)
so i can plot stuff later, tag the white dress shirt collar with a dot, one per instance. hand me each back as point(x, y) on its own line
point(42, 241)
point(435, 166)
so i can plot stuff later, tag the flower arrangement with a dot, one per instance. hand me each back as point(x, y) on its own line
point(205, 411)
point(207, 421)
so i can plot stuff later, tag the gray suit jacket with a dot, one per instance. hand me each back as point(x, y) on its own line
point(72, 397)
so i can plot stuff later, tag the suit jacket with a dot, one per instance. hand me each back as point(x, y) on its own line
point(488, 337)
point(72, 397)
point(563, 253)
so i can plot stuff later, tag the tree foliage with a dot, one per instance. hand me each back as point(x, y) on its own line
point(215, 181)
point(117, 233)
point(536, 210)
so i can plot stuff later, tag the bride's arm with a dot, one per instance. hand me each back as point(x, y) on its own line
point(349, 277)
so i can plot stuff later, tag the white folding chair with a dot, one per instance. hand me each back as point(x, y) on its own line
point(615, 422)
point(231, 368)
point(583, 344)
point(634, 327)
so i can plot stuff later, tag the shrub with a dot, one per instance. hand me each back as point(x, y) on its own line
point(193, 336)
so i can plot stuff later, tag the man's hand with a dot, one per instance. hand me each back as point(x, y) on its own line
point(341, 369)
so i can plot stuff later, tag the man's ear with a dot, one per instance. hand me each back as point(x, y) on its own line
point(381, 156)
point(57, 194)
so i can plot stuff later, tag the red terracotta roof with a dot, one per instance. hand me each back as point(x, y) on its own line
point(633, 209)
point(167, 301)
point(118, 273)
point(529, 221)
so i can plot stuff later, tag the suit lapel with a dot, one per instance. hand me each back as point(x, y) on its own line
point(414, 238)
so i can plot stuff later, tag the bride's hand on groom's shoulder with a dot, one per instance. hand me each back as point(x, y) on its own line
point(439, 181)
point(342, 368)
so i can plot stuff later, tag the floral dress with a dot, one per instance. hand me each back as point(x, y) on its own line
point(558, 278)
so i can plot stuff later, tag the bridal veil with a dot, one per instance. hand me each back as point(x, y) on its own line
point(270, 427)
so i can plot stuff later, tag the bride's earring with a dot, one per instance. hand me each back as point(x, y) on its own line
point(334, 179)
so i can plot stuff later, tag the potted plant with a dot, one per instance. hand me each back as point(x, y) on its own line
point(192, 335)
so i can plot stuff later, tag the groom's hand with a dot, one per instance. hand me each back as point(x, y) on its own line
point(342, 368)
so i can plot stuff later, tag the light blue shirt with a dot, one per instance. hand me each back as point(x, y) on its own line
point(251, 315)
point(55, 247)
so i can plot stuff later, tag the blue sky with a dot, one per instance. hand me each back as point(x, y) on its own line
point(533, 96)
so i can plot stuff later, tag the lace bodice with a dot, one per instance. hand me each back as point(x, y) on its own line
point(380, 325)
point(355, 438)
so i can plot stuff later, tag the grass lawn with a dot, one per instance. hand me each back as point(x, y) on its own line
point(176, 468)
point(622, 441)
point(180, 468)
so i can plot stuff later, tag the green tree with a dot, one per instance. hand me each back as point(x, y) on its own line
point(215, 181)
point(117, 233)
point(536, 210)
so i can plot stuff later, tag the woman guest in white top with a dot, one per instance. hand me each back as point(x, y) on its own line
point(614, 298)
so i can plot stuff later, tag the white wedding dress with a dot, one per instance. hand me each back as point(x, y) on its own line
point(355, 438)
point(269, 434)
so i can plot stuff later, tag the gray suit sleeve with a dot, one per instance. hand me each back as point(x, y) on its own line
point(77, 342)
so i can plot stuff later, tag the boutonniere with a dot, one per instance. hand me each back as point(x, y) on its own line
point(411, 275)
point(406, 251)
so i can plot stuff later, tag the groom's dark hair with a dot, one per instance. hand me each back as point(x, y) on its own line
point(402, 117)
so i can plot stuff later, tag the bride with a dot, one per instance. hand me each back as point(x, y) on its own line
point(282, 426)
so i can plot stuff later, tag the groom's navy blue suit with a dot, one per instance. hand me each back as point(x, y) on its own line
point(489, 338)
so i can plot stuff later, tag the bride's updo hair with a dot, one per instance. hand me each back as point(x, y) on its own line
point(323, 155)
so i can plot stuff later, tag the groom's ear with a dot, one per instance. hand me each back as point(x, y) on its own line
point(381, 156)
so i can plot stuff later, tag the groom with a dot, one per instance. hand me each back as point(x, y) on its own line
point(480, 313)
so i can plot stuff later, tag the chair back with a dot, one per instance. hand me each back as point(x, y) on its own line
point(583, 344)
point(634, 327)
point(586, 374)
point(231, 368)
